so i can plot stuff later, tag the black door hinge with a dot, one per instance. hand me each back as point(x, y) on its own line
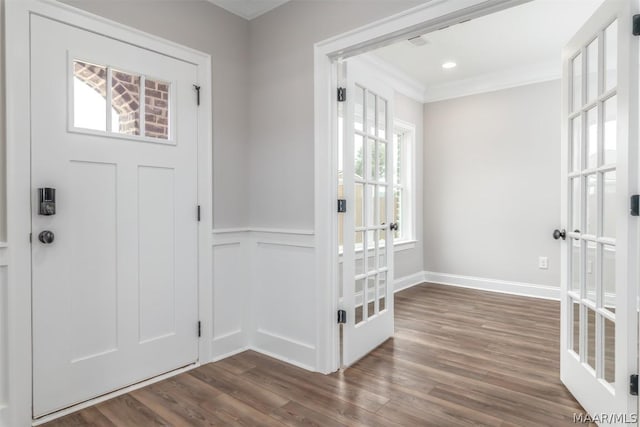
point(199, 329)
point(636, 25)
point(342, 94)
point(342, 205)
point(342, 316)
point(198, 214)
point(634, 208)
point(197, 88)
point(633, 385)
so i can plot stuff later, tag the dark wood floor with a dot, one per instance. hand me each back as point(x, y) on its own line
point(459, 357)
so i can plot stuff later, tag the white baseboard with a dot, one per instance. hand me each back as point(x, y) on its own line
point(494, 285)
point(406, 282)
point(285, 349)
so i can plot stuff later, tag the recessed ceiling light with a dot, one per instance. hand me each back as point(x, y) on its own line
point(448, 65)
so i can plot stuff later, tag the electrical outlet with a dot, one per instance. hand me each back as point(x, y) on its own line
point(543, 263)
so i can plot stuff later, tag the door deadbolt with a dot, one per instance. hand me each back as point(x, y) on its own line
point(47, 237)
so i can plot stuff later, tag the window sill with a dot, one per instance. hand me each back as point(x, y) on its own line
point(404, 245)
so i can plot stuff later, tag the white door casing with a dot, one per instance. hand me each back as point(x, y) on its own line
point(115, 296)
point(368, 190)
point(599, 349)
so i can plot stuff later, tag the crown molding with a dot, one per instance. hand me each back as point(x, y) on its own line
point(400, 81)
point(248, 9)
point(504, 79)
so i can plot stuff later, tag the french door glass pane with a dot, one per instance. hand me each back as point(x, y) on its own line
point(591, 271)
point(575, 265)
point(358, 152)
point(575, 322)
point(576, 88)
point(371, 295)
point(609, 277)
point(359, 109)
point(611, 56)
point(609, 330)
point(609, 204)
point(371, 159)
point(592, 71)
point(610, 131)
point(382, 118)
point(591, 337)
point(382, 290)
point(371, 113)
point(382, 255)
point(382, 203)
point(369, 205)
point(591, 199)
point(592, 138)
point(359, 205)
point(576, 143)
point(575, 205)
point(382, 161)
point(372, 244)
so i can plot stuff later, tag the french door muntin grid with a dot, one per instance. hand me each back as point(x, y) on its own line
point(578, 233)
point(373, 136)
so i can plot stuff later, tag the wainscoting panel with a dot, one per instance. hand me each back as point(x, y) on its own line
point(283, 286)
point(3, 336)
point(231, 266)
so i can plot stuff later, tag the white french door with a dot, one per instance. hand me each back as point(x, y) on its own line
point(599, 174)
point(365, 181)
point(114, 256)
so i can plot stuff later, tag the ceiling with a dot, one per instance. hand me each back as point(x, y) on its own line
point(248, 9)
point(522, 42)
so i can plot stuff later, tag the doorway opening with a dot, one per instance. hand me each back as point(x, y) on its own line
point(505, 185)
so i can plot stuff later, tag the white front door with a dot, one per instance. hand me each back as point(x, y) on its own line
point(367, 240)
point(115, 267)
point(599, 349)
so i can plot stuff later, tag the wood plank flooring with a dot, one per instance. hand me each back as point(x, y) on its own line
point(460, 357)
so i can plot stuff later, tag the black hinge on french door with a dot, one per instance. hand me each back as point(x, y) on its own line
point(634, 208)
point(342, 316)
point(199, 329)
point(636, 25)
point(197, 88)
point(342, 94)
point(198, 214)
point(633, 385)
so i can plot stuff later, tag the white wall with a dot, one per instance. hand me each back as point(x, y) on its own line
point(491, 184)
point(409, 262)
point(281, 87)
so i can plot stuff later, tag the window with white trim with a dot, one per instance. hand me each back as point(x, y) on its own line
point(404, 181)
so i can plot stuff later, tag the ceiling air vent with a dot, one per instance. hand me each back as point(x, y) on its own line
point(418, 41)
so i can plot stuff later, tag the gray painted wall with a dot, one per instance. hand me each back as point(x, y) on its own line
point(201, 25)
point(491, 186)
point(410, 261)
point(3, 142)
point(281, 87)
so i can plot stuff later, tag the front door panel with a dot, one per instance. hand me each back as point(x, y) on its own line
point(115, 268)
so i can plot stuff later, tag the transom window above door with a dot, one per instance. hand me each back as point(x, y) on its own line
point(108, 101)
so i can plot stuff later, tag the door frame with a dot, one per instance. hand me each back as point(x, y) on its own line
point(416, 21)
point(18, 175)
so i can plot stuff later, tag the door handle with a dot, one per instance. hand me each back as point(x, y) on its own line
point(47, 237)
point(557, 234)
point(393, 226)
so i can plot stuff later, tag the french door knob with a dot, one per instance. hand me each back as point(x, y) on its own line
point(393, 226)
point(47, 237)
point(557, 234)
